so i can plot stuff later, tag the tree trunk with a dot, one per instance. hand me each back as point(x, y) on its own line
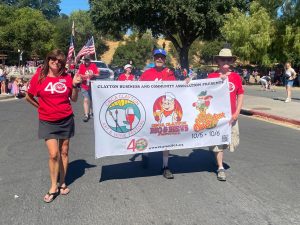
point(184, 57)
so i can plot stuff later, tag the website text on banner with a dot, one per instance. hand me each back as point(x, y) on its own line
point(139, 117)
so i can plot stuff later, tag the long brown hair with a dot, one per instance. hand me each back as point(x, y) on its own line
point(53, 54)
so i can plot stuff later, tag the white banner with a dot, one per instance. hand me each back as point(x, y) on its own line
point(138, 117)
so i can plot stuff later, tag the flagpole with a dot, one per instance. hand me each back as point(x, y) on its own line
point(73, 36)
point(95, 48)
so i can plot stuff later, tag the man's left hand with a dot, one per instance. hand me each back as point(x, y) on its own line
point(233, 118)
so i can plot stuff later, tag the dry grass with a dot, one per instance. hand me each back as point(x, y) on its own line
point(108, 55)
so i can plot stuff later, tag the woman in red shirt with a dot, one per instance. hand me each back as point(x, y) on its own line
point(54, 88)
point(127, 75)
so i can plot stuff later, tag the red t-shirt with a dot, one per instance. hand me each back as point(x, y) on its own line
point(84, 72)
point(154, 75)
point(123, 77)
point(53, 96)
point(235, 87)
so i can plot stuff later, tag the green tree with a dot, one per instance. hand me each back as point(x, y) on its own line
point(181, 22)
point(208, 49)
point(25, 29)
point(49, 8)
point(136, 49)
point(272, 6)
point(250, 33)
point(285, 47)
point(62, 32)
point(84, 29)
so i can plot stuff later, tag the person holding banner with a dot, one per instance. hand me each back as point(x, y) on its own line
point(127, 75)
point(159, 73)
point(54, 89)
point(224, 61)
point(87, 71)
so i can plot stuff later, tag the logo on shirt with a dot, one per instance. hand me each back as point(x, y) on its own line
point(231, 87)
point(122, 115)
point(56, 87)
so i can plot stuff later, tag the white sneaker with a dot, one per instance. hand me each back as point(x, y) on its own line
point(288, 100)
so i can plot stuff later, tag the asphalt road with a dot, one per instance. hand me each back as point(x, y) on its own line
point(262, 187)
point(279, 93)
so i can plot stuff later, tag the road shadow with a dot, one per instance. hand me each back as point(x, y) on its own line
point(76, 169)
point(199, 160)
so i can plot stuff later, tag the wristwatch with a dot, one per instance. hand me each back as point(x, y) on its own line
point(76, 86)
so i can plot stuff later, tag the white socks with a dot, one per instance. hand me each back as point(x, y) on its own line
point(165, 161)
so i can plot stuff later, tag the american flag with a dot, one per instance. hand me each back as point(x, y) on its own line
point(87, 49)
point(71, 50)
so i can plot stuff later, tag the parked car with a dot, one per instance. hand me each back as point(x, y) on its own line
point(117, 72)
point(104, 72)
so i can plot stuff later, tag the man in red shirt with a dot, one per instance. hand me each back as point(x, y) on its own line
point(159, 73)
point(87, 71)
point(224, 60)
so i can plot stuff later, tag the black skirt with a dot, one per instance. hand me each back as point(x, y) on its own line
point(60, 129)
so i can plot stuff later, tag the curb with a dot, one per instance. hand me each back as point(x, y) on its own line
point(5, 97)
point(249, 112)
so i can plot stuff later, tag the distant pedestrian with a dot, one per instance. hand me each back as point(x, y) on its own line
point(290, 76)
point(2, 80)
point(246, 76)
point(54, 89)
point(127, 75)
point(87, 70)
point(15, 87)
point(255, 75)
point(266, 83)
point(224, 60)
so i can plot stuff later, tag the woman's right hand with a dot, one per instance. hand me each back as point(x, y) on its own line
point(77, 79)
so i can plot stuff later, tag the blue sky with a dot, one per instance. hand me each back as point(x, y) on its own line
point(67, 6)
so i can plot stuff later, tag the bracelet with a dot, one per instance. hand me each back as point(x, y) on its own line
point(75, 86)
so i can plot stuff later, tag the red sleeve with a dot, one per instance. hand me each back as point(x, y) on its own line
point(213, 75)
point(240, 89)
point(169, 75)
point(32, 87)
point(94, 68)
point(81, 69)
point(142, 77)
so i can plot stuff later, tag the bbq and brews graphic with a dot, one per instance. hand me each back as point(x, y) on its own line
point(140, 117)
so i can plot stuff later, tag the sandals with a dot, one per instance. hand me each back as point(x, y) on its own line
point(64, 190)
point(50, 196)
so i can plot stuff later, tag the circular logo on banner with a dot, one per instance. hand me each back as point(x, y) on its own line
point(122, 115)
point(141, 144)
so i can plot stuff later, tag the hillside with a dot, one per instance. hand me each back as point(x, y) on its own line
point(113, 45)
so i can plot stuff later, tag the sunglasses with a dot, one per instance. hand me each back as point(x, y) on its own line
point(54, 59)
point(160, 56)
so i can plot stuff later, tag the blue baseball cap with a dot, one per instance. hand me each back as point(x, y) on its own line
point(159, 51)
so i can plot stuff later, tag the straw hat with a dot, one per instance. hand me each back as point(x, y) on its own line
point(225, 53)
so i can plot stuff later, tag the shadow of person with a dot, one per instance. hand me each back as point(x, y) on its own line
point(199, 160)
point(76, 169)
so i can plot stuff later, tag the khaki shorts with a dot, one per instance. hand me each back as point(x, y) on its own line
point(235, 140)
